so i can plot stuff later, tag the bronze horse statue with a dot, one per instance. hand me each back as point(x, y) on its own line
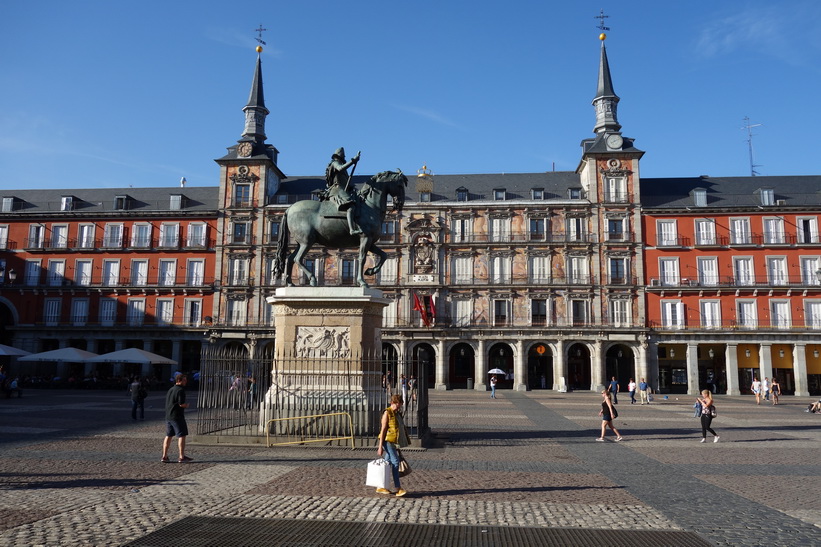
point(319, 222)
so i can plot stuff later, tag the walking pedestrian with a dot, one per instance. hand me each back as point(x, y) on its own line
point(389, 443)
point(765, 388)
point(756, 389)
point(707, 408)
point(175, 425)
point(608, 413)
point(614, 390)
point(643, 392)
point(631, 388)
point(775, 389)
point(138, 395)
point(493, 387)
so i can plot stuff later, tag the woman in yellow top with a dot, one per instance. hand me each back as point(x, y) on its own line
point(388, 439)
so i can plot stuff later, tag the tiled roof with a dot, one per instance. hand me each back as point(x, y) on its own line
point(103, 200)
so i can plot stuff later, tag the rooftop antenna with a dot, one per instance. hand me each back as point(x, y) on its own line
point(749, 128)
point(601, 17)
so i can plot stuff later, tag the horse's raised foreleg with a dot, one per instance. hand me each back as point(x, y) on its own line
point(381, 256)
point(365, 243)
point(299, 256)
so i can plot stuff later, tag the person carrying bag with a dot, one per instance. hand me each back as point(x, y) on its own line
point(389, 442)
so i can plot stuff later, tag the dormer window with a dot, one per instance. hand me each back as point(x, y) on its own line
point(461, 194)
point(499, 194)
point(700, 197)
point(424, 197)
point(8, 205)
point(767, 196)
point(175, 203)
point(66, 203)
point(121, 203)
point(537, 193)
point(575, 193)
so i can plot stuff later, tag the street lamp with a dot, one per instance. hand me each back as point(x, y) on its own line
point(747, 352)
point(818, 274)
point(12, 276)
point(711, 353)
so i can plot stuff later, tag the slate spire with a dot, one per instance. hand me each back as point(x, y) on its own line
point(606, 100)
point(255, 111)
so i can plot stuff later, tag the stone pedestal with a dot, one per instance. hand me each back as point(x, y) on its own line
point(328, 355)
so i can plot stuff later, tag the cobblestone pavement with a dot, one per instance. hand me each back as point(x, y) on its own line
point(76, 470)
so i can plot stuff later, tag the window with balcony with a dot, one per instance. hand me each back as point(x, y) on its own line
point(238, 271)
point(170, 235)
point(193, 312)
point(807, 230)
point(462, 312)
point(578, 270)
point(273, 230)
point(777, 270)
point(539, 269)
point(619, 271)
point(37, 235)
point(241, 233)
point(538, 312)
point(165, 311)
point(780, 316)
point(705, 232)
point(501, 312)
point(710, 314)
point(666, 233)
point(196, 236)
point(387, 275)
point(461, 229)
point(236, 311)
point(167, 275)
point(195, 274)
point(499, 229)
point(108, 312)
point(111, 273)
point(500, 270)
point(620, 313)
point(811, 270)
point(672, 314)
point(51, 311)
point(59, 236)
point(242, 195)
point(669, 272)
point(580, 314)
point(812, 314)
point(538, 229)
point(774, 230)
point(79, 312)
point(740, 233)
point(85, 236)
point(56, 273)
point(746, 314)
point(389, 231)
point(576, 229)
point(743, 271)
point(113, 236)
point(4, 236)
point(348, 271)
point(615, 189)
point(615, 229)
point(135, 311)
point(139, 273)
point(707, 270)
point(141, 236)
point(82, 272)
point(310, 265)
point(31, 276)
point(463, 270)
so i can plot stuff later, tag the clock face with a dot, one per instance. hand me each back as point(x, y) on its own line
point(244, 149)
point(614, 141)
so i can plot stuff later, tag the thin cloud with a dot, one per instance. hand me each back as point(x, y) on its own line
point(427, 114)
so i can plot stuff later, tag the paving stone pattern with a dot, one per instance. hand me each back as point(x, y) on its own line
point(77, 471)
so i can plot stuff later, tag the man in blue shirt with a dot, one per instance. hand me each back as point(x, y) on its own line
point(614, 390)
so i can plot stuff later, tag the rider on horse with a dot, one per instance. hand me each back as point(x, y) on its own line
point(338, 183)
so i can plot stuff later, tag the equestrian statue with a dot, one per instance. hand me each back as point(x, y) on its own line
point(342, 218)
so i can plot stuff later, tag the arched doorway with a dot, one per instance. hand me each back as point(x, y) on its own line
point(390, 361)
point(620, 363)
point(540, 367)
point(578, 367)
point(501, 357)
point(424, 361)
point(462, 361)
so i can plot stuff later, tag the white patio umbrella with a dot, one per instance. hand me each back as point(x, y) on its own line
point(8, 351)
point(65, 355)
point(132, 355)
point(496, 371)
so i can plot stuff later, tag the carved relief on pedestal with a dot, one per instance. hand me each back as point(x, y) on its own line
point(330, 342)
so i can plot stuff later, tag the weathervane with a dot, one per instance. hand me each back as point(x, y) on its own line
point(601, 17)
point(260, 30)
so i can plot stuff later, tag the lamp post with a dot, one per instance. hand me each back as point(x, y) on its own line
point(12, 276)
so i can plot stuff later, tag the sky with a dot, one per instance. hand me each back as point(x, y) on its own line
point(139, 94)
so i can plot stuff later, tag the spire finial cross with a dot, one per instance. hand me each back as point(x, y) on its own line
point(601, 17)
point(260, 30)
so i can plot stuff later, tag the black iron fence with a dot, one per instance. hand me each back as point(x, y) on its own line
point(240, 396)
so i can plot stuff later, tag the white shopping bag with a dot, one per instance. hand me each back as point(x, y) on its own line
point(379, 473)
